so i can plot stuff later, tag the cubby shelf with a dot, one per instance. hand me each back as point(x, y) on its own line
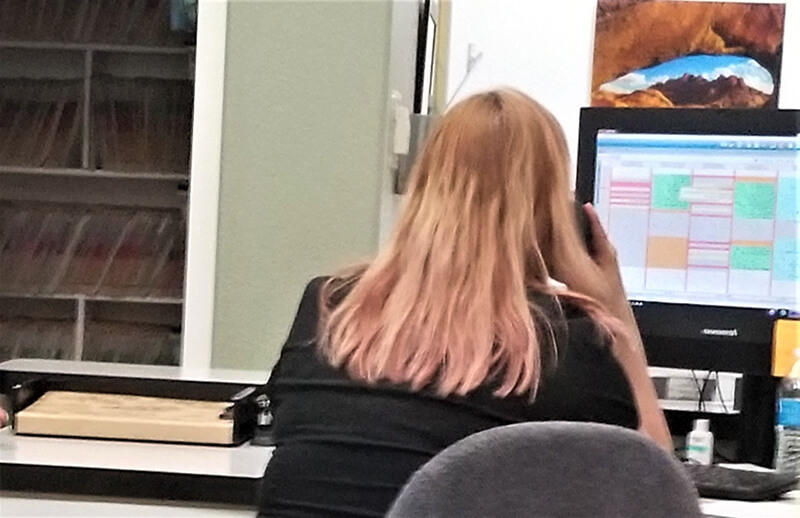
point(94, 176)
point(97, 47)
point(93, 173)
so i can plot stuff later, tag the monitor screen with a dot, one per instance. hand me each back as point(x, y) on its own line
point(703, 219)
point(703, 207)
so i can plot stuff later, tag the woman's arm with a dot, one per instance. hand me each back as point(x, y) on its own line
point(629, 352)
point(627, 347)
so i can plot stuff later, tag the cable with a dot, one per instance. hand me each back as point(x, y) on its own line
point(697, 386)
point(703, 390)
point(700, 402)
point(719, 393)
point(472, 61)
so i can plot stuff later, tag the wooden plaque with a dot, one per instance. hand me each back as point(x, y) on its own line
point(121, 416)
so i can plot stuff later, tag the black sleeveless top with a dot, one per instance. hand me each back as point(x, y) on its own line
point(345, 448)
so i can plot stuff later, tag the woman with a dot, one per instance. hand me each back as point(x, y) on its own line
point(456, 326)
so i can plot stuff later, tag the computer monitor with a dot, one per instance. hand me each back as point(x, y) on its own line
point(703, 207)
point(425, 67)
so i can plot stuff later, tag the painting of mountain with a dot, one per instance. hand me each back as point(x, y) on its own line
point(669, 53)
point(688, 91)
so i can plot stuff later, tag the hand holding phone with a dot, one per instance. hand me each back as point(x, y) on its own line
point(584, 226)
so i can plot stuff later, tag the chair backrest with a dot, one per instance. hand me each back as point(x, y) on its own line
point(550, 469)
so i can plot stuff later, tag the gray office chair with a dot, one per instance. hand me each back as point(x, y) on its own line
point(550, 469)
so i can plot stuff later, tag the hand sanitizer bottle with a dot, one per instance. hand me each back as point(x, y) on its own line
point(700, 443)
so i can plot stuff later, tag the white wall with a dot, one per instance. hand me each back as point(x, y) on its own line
point(545, 49)
point(302, 152)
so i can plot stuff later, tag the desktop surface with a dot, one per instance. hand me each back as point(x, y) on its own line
point(131, 469)
point(244, 461)
point(19, 505)
point(787, 506)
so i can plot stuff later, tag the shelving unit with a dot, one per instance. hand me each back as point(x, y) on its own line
point(96, 298)
point(93, 183)
point(95, 173)
point(96, 47)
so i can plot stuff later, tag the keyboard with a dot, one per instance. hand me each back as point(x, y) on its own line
point(738, 484)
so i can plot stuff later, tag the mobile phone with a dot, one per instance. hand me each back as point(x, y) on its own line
point(583, 225)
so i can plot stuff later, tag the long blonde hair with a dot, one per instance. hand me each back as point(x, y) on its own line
point(446, 302)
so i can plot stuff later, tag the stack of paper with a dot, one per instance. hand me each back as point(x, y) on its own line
point(36, 338)
point(40, 123)
point(143, 124)
point(54, 249)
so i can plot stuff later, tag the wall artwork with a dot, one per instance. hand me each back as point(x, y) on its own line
point(683, 54)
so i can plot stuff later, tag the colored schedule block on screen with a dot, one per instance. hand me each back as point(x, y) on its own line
point(754, 200)
point(667, 252)
point(788, 208)
point(787, 260)
point(667, 191)
point(749, 257)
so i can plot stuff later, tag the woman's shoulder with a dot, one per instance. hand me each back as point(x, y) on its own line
point(316, 284)
point(306, 319)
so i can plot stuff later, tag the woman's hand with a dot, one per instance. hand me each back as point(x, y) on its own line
point(596, 274)
point(607, 287)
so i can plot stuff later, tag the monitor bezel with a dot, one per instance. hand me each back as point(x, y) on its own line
point(749, 352)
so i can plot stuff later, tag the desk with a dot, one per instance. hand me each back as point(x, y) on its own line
point(33, 469)
point(42, 476)
point(131, 469)
point(146, 463)
point(24, 505)
point(19, 505)
point(787, 507)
